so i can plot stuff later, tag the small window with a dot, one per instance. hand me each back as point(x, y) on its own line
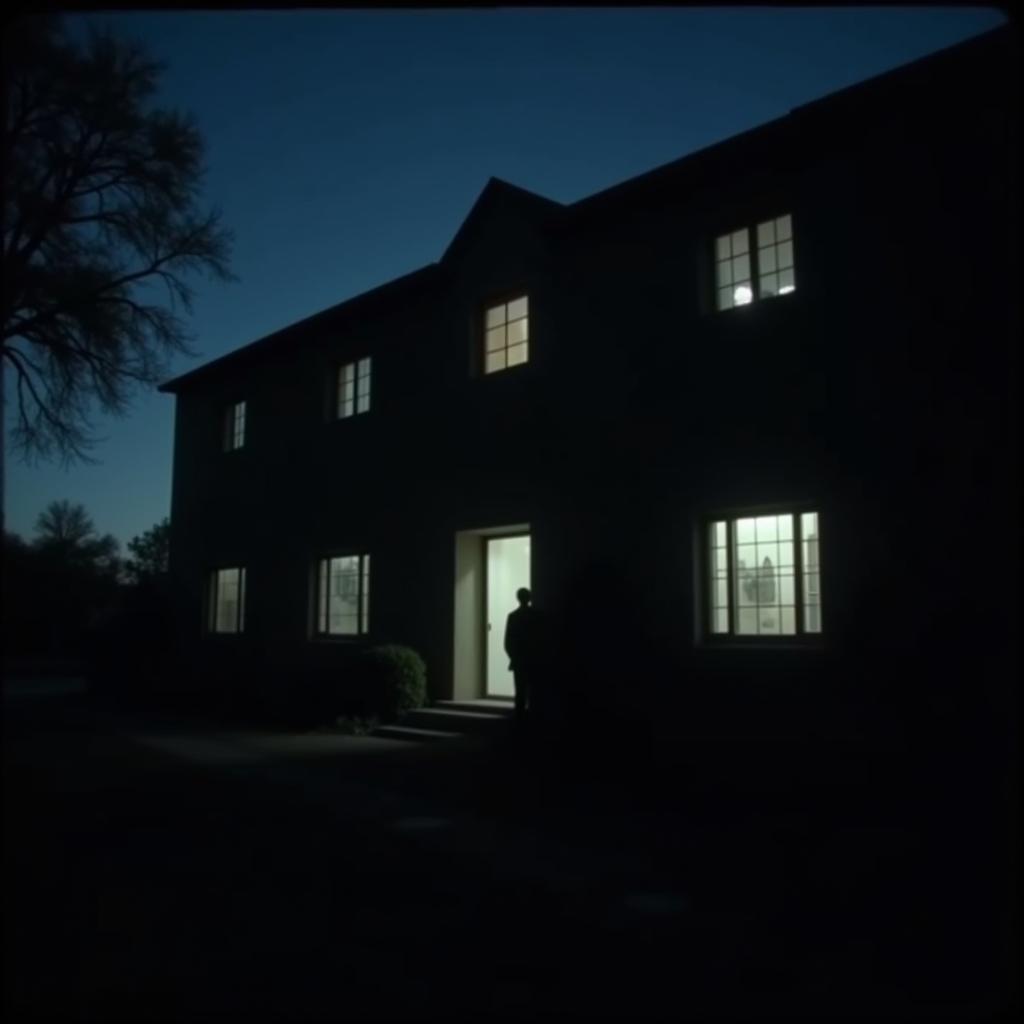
point(227, 601)
point(763, 270)
point(234, 426)
point(506, 335)
point(764, 576)
point(343, 596)
point(353, 393)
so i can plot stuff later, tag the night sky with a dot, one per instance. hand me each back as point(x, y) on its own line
point(346, 147)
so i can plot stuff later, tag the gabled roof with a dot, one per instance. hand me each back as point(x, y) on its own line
point(535, 207)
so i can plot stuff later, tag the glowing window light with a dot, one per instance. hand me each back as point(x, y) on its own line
point(742, 295)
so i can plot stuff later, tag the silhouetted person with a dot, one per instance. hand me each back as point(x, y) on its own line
point(523, 645)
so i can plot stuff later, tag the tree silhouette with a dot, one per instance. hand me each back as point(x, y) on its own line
point(66, 537)
point(150, 551)
point(101, 203)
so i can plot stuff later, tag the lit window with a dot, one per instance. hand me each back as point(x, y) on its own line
point(234, 426)
point(764, 576)
point(353, 388)
point(768, 265)
point(343, 595)
point(506, 335)
point(227, 601)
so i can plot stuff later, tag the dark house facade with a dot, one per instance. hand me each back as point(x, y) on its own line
point(745, 424)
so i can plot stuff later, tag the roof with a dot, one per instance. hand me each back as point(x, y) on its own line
point(690, 168)
point(288, 335)
point(703, 162)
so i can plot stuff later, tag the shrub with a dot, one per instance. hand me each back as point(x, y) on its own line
point(394, 680)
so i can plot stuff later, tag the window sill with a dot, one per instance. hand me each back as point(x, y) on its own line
point(739, 644)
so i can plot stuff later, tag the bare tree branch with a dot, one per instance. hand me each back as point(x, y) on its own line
point(100, 201)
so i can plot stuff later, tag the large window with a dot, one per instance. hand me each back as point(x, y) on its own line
point(343, 595)
point(226, 606)
point(506, 334)
point(353, 394)
point(234, 426)
point(763, 270)
point(764, 577)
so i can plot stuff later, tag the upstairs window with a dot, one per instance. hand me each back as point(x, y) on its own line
point(234, 426)
point(226, 607)
point(343, 596)
point(506, 335)
point(764, 269)
point(353, 394)
point(764, 576)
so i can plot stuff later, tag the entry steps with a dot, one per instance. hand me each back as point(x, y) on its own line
point(451, 720)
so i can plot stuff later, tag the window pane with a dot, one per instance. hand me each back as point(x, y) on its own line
point(744, 531)
point(766, 260)
point(343, 597)
point(784, 227)
point(725, 298)
point(363, 403)
point(517, 332)
point(723, 248)
point(767, 527)
point(769, 285)
point(495, 339)
point(785, 553)
point(785, 253)
point(787, 282)
point(495, 361)
point(364, 625)
point(740, 244)
point(364, 367)
point(724, 271)
point(742, 295)
point(787, 594)
point(718, 534)
point(741, 268)
point(517, 308)
point(746, 621)
point(720, 621)
point(496, 316)
point(766, 233)
point(227, 594)
point(785, 527)
point(788, 621)
point(516, 354)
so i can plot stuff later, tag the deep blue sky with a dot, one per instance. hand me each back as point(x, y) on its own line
point(345, 148)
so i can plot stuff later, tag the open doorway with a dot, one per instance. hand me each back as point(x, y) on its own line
point(508, 569)
point(491, 564)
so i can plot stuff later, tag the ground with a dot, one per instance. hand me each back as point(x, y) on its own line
point(161, 870)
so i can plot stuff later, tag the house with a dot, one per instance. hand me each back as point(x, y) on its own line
point(750, 416)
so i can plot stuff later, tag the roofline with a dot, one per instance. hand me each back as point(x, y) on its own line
point(247, 351)
point(812, 108)
point(494, 184)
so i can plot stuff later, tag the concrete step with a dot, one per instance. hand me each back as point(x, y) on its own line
point(485, 706)
point(445, 719)
point(414, 735)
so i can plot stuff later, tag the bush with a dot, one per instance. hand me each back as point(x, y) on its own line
point(394, 679)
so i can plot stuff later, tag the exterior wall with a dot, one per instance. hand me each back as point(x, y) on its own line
point(880, 391)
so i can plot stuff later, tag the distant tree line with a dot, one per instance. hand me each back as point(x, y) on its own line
point(60, 586)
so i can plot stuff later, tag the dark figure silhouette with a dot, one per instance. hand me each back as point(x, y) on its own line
point(523, 646)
